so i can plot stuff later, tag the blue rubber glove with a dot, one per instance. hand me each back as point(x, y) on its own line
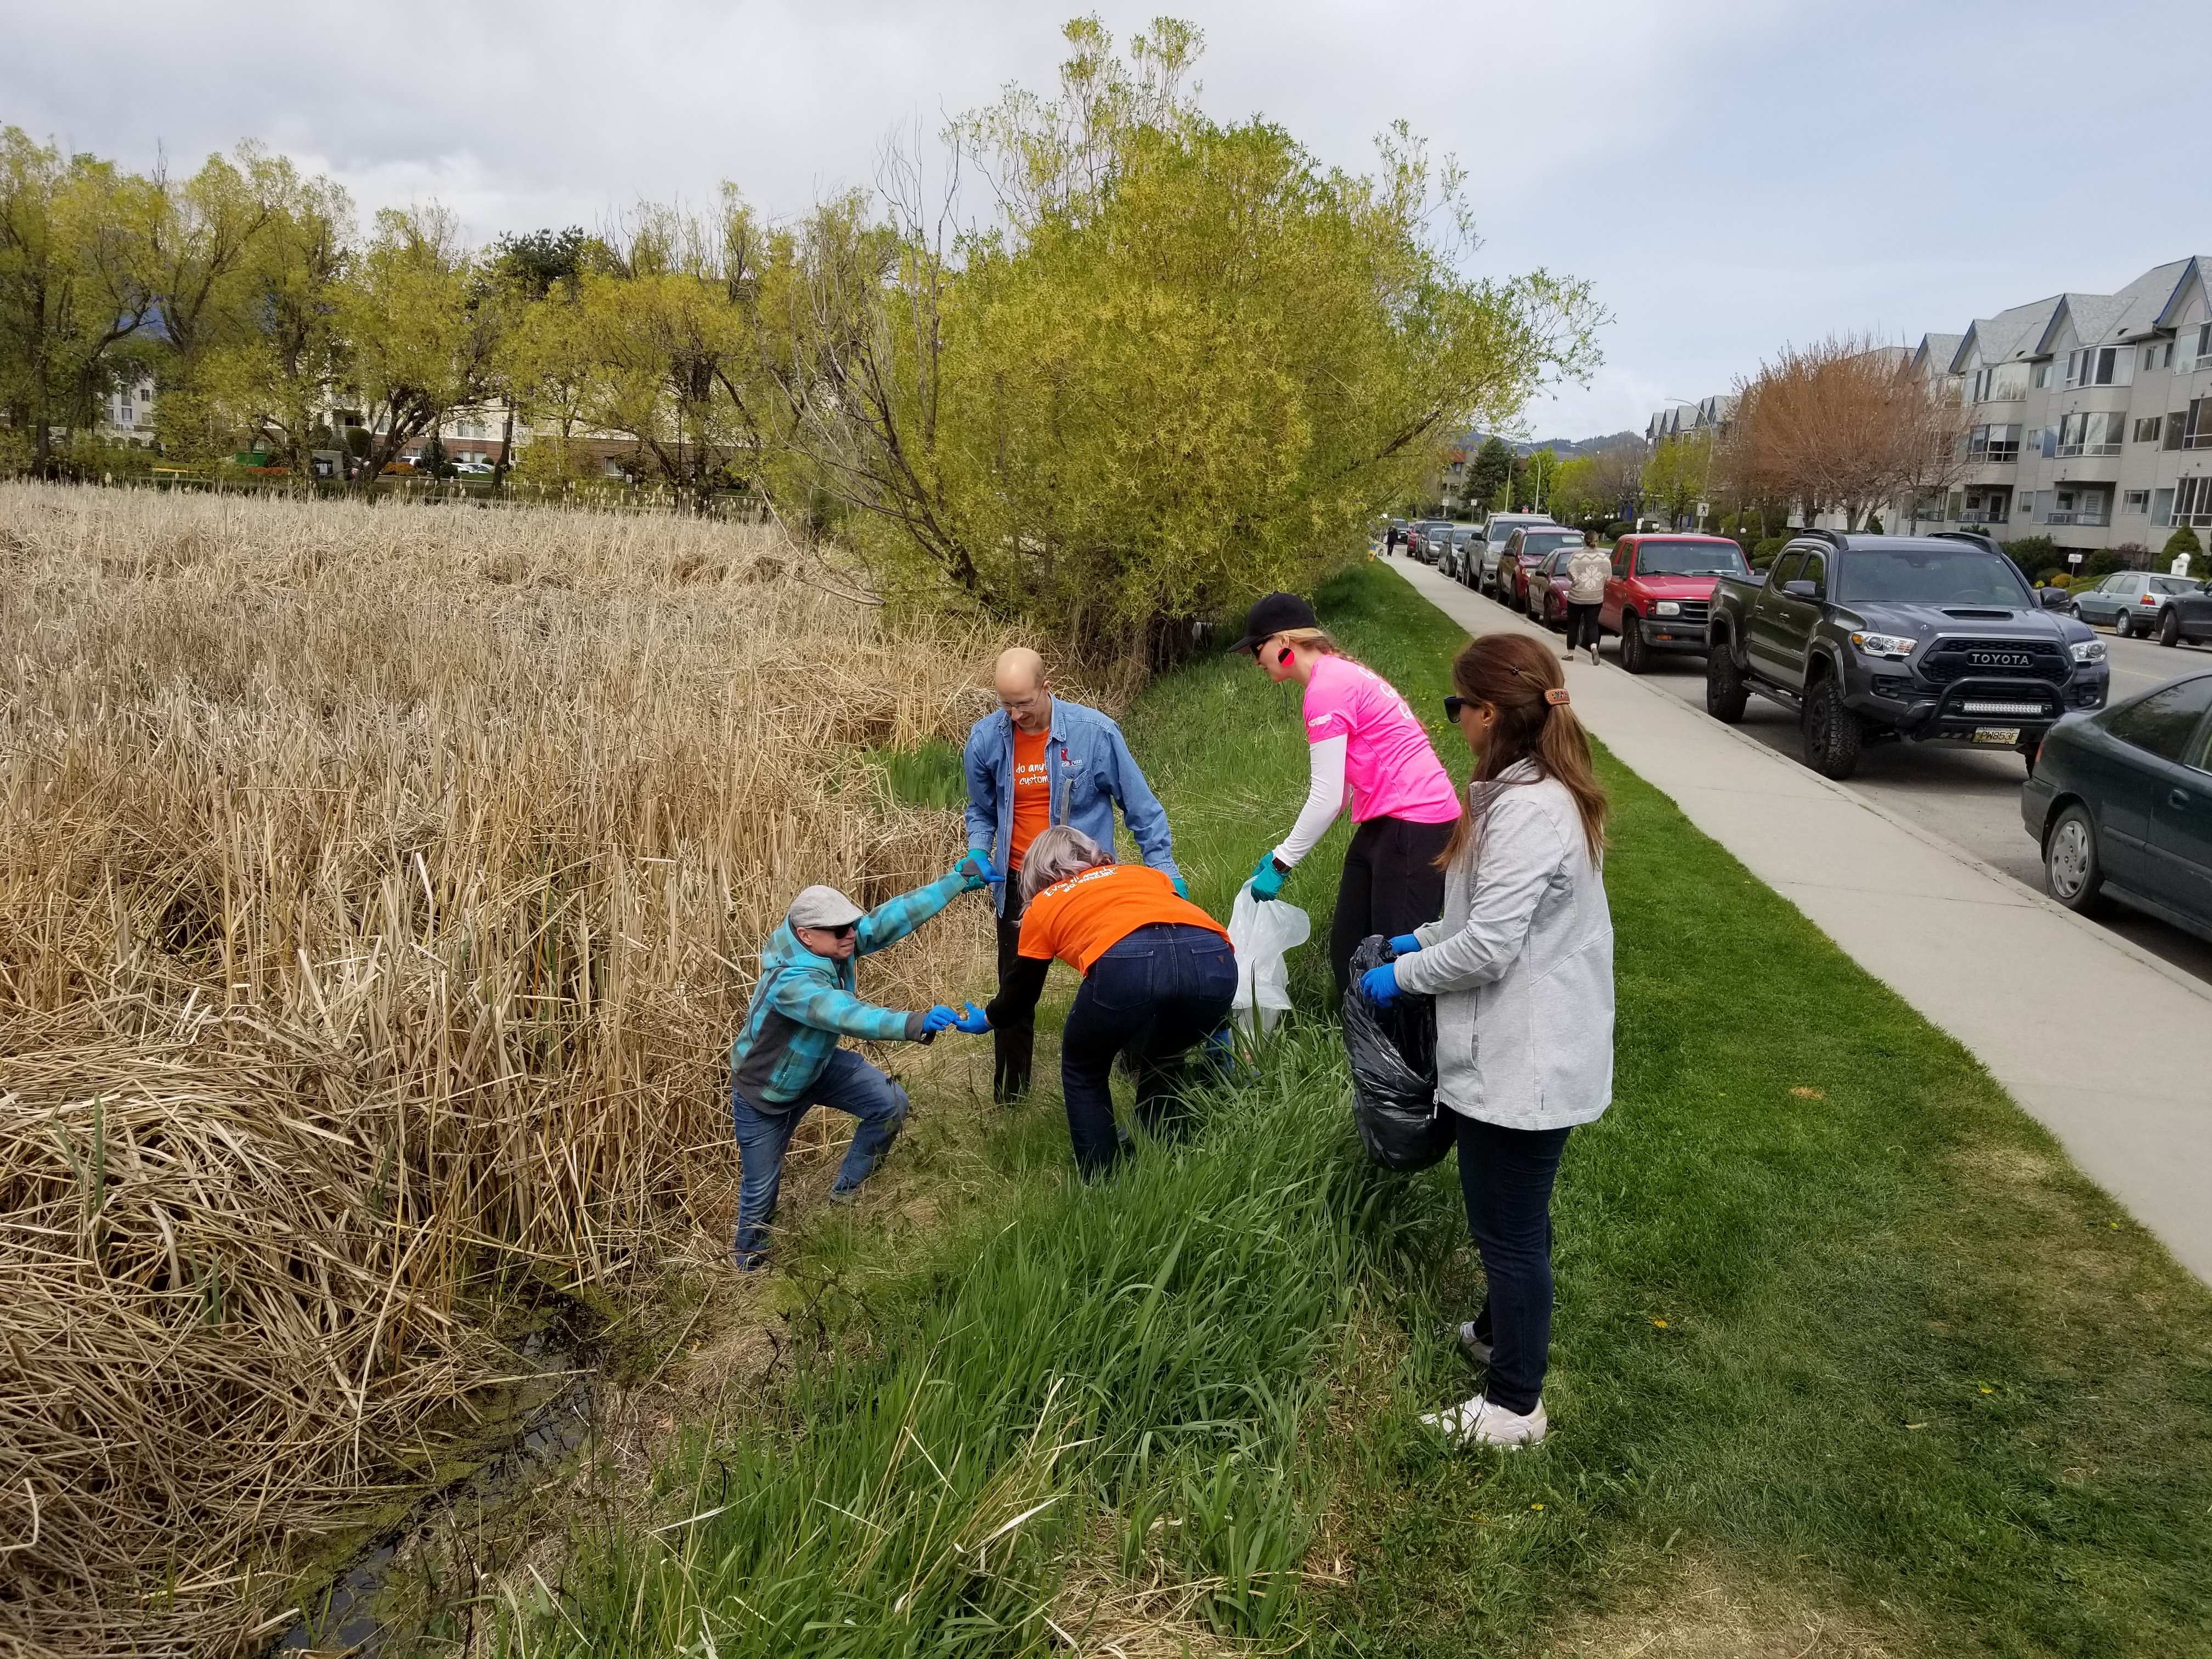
point(1380, 985)
point(973, 1021)
point(976, 867)
point(1182, 888)
point(1267, 877)
point(938, 1020)
point(1405, 945)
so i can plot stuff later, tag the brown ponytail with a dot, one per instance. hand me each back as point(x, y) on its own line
point(1511, 673)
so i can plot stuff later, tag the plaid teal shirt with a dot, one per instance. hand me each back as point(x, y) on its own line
point(804, 1004)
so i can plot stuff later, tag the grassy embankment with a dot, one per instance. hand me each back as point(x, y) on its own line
point(1848, 1358)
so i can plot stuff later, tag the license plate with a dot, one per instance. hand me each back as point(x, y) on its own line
point(1997, 734)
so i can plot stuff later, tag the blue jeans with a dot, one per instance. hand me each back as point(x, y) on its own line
point(1154, 995)
point(848, 1083)
point(1506, 1177)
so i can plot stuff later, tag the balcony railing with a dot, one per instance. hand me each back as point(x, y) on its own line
point(1971, 517)
point(2197, 441)
point(1994, 455)
point(2097, 518)
point(2065, 450)
point(2194, 521)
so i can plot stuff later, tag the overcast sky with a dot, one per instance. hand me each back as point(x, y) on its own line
point(1731, 174)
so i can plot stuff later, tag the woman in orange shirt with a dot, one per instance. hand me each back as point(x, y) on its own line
point(1159, 979)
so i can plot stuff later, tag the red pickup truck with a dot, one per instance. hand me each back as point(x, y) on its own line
point(1662, 590)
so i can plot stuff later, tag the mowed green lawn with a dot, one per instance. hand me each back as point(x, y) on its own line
point(1848, 1360)
point(1837, 1323)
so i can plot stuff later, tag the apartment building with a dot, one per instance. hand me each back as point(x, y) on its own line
point(127, 415)
point(2091, 415)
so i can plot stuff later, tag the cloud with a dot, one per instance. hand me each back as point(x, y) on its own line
point(1730, 173)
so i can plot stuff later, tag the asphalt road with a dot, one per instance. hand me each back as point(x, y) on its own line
point(1971, 798)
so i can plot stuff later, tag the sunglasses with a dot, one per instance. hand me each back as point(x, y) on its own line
point(846, 930)
point(1452, 706)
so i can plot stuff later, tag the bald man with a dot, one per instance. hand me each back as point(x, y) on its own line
point(1033, 762)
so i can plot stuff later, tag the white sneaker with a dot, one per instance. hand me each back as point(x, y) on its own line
point(1479, 1423)
point(1472, 1346)
point(1593, 651)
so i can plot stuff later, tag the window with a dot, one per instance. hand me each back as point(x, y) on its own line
point(1786, 568)
point(2042, 375)
point(2192, 503)
point(1996, 444)
point(2163, 722)
point(2174, 424)
point(2002, 383)
point(1816, 572)
point(2092, 432)
point(2196, 431)
point(2096, 366)
point(2161, 507)
point(2136, 501)
point(2203, 344)
point(2148, 428)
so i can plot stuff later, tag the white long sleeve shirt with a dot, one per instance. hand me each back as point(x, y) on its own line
point(1326, 793)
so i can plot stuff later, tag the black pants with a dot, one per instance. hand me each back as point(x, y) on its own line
point(1582, 626)
point(1390, 885)
point(1506, 1177)
point(1013, 1011)
point(1154, 995)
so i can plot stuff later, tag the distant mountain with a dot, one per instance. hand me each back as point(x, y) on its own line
point(1563, 447)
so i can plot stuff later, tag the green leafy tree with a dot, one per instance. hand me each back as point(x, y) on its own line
point(1678, 475)
point(1489, 472)
point(1188, 364)
point(2184, 541)
point(73, 296)
point(419, 338)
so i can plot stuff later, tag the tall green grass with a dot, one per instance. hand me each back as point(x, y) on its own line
point(1109, 1371)
point(1836, 1325)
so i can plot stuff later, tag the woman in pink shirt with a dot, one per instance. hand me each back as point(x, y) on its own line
point(1366, 747)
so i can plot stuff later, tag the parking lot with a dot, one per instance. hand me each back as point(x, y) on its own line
point(1970, 799)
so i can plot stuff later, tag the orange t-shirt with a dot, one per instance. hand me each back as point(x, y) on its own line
point(1032, 793)
point(1080, 919)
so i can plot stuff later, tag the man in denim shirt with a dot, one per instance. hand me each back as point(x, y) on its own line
point(1035, 762)
point(787, 1059)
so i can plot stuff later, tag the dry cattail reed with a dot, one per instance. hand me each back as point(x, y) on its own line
point(378, 889)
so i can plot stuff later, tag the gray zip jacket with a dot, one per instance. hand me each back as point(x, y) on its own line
point(1521, 966)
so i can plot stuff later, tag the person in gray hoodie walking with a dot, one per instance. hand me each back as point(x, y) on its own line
point(1586, 577)
point(1520, 967)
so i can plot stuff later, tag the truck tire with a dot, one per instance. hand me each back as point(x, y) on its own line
point(1726, 695)
point(2169, 627)
point(1635, 649)
point(1833, 733)
point(2072, 871)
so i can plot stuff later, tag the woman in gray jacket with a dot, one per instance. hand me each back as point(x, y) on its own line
point(1521, 966)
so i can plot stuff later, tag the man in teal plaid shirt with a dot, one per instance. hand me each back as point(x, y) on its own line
point(787, 1058)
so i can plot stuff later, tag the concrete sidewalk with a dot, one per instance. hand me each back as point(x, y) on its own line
point(1974, 950)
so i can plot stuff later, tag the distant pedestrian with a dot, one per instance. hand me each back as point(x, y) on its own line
point(1587, 572)
point(1159, 979)
point(1391, 547)
point(1032, 763)
point(1366, 749)
point(1520, 967)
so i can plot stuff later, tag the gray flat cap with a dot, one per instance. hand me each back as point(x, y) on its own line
point(822, 906)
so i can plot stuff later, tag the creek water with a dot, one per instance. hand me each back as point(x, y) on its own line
point(363, 1612)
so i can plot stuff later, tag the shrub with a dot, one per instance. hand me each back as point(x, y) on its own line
point(1763, 554)
point(2184, 540)
point(2054, 578)
point(1617, 529)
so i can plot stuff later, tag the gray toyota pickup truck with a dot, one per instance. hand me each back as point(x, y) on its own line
point(1879, 639)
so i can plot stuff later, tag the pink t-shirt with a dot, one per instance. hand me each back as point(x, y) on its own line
point(1389, 762)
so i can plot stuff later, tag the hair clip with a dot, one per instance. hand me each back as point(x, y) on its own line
point(1556, 695)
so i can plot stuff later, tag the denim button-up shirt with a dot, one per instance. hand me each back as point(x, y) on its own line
point(1090, 771)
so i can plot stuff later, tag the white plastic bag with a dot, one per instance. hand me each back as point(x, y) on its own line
point(1260, 932)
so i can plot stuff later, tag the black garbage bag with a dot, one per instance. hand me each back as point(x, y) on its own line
point(1394, 1071)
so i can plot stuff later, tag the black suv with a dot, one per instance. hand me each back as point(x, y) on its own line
point(1872, 639)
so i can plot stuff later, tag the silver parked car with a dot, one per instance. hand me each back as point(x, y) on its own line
point(2127, 600)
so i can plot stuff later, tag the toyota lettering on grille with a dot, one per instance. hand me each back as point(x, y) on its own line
point(2000, 659)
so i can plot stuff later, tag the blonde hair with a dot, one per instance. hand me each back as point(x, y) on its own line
point(1316, 637)
point(1057, 853)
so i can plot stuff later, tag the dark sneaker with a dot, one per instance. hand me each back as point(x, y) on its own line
point(1472, 1346)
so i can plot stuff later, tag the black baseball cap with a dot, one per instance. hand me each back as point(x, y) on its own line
point(1277, 613)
